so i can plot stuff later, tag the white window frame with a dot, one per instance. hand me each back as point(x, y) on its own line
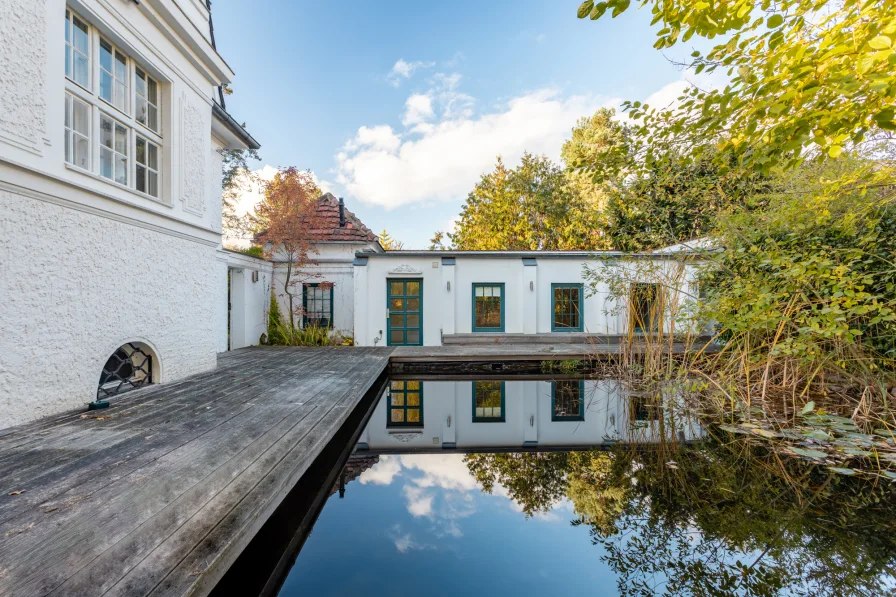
point(100, 108)
point(147, 166)
point(114, 149)
point(71, 133)
point(147, 78)
point(73, 51)
point(115, 51)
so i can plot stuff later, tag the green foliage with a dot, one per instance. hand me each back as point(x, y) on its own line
point(531, 207)
point(812, 276)
point(535, 481)
point(807, 77)
point(275, 324)
point(678, 200)
point(598, 141)
point(253, 251)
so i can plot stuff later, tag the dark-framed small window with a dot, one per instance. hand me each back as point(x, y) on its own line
point(566, 306)
point(568, 401)
point(405, 404)
point(488, 401)
point(317, 304)
point(488, 307)
point(646, 307)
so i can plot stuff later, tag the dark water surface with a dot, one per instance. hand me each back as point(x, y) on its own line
point(609, 497)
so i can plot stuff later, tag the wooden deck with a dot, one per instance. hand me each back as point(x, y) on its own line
point(159, 494)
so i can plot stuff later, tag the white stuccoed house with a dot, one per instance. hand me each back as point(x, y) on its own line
point(111, 126)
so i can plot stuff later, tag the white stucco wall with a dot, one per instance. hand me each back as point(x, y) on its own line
point(88, 264)
point(83, 286)
point(333, 264)
point(527, 292)
point(250, 296)
point(448, 418)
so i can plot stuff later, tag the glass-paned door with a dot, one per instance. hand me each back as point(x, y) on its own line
point(405, 312)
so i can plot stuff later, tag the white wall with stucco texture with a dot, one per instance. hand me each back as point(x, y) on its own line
point(76, 285)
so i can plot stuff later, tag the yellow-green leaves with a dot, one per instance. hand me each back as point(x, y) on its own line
point(881, 42)
point(774, 21)
point(585, 8)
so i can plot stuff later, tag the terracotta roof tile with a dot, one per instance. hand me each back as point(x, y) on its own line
point(329, 229)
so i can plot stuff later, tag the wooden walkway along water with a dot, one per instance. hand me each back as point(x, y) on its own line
point(159, 494)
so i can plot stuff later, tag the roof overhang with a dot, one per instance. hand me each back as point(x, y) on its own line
point(230, 131)
point(174, 24)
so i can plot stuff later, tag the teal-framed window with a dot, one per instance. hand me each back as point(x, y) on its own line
point(405, 404)
point(488, 401)
point(317, 304)
point(488, 307)
point(566, 306)
point(568, 400)
point(404, 304)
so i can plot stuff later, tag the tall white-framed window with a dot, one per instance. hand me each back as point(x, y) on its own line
point(114, 143)
point(77, 132)
point(113, 75)
point(147, 174)
point(147, 92)
point(77, 50)
point(113, 110)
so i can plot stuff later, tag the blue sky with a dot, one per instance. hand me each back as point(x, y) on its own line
point(401, 106)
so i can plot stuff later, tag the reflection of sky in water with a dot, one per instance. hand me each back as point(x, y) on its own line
point(418, 524)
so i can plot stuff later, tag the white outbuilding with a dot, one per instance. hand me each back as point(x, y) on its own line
point(429, 298)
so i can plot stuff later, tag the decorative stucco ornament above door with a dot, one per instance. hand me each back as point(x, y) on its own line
point(405, 270)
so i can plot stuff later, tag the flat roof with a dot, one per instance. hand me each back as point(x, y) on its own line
point(524, 254)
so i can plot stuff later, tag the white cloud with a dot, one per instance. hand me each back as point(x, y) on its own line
point(419, 501)
point(403, 69)
point(418, 109)
point(443, 157)
point(382, 472)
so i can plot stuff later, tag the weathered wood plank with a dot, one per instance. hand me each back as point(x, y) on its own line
point(129, 502)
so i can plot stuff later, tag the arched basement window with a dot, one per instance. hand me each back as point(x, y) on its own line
point(129, 367)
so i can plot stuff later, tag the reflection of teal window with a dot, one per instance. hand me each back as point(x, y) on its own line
point(317, 305)
point(488, 307)
point(405, 404)
point(567, 307)
point(568, 401)
point(488, 401)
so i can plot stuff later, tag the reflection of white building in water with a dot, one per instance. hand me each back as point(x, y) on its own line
point(469, 415)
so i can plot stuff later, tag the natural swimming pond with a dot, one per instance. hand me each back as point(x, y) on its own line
point(563, 486)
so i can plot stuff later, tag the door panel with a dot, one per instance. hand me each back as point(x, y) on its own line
point(405, 304)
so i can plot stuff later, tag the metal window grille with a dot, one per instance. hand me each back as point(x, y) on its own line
point(129, 368)
point(317, 303)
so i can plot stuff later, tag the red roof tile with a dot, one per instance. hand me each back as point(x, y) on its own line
point(329, 229)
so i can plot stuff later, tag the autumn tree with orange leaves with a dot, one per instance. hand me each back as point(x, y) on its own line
point(286, 222)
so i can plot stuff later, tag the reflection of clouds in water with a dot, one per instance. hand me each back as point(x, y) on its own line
point(405, 542)
point(419, 502)
point(382, 472)
point(424, 475)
